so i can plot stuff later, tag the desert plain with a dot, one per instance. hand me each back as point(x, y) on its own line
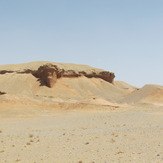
point(82, 116)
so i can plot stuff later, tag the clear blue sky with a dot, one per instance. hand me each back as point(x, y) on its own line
point(123, 36)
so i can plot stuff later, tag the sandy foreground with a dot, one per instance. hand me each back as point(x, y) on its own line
point(79, 120)
point(100, 135)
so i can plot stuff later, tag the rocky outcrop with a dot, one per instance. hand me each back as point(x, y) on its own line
point(48, 73)
point(105, 75)
point(2, 93)
point(5, 72)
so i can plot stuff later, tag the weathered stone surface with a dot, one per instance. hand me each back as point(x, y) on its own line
point(105, 75)
point(5, 72)
point(48, 73)
point(2, 93)
point(70, 74)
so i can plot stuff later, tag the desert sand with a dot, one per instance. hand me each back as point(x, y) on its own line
point(79, 120)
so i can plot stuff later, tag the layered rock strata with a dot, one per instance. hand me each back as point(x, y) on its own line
point(49, 73)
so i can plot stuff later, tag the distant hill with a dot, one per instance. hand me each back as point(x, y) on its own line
point(29, 83)
point(152, 94)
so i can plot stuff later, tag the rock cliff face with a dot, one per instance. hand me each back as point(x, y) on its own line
point(48, 73)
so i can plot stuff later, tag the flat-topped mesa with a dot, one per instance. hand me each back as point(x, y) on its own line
point(49, 73)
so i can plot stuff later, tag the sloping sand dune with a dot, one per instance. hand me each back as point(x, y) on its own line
point(66, 89)
point(148, 94)
point(125, 86)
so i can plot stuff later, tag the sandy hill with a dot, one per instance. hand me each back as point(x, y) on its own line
point(44, 83)
point(152, 94)
point(77, 83)
point(125, 86)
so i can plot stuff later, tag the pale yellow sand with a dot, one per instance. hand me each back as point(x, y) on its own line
point(71, 136)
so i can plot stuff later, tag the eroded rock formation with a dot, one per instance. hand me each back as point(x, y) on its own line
point(2, 93)
point(48, 74)
point(105, 75)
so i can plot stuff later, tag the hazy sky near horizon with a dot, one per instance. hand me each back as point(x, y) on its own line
point(122, 36)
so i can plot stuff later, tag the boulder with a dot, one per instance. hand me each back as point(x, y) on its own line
point(48, 74)
point(2, 93)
